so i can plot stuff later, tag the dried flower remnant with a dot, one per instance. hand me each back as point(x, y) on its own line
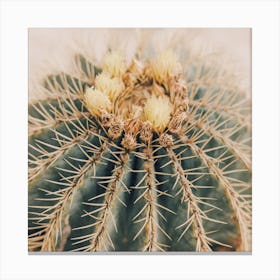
point(96, 102)
point(158, 112)
point(165, 67)
point(114, 64)
point(110, 86)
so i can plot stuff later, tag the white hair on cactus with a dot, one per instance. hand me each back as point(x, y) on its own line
point(110, 86)
point(157, 111)
point(96, 101)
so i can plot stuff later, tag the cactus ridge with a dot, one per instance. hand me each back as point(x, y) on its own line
point(108, 180)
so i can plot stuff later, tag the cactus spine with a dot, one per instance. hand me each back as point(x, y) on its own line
point(141, 156)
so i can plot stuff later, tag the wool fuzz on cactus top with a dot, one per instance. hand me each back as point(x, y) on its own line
point(146, 155)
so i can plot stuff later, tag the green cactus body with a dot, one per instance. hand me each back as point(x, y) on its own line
point(180, 185)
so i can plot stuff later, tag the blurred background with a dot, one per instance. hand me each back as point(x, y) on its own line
point(52, 49)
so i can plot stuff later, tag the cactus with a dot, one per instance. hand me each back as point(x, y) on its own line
point(147, 155)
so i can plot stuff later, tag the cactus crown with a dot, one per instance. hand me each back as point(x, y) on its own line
point(140, 156)
point(154, 94)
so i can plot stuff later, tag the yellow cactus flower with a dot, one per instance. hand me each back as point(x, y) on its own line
point(165, 66)
point(114, 64)
point(110, 86)
point(157, 111)
point(96, 102)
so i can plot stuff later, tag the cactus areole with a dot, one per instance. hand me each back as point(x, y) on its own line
point(150, 155)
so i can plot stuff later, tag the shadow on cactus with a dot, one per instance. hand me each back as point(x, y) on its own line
point(149, 155)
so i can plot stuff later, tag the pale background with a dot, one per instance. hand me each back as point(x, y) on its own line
point(52, 49)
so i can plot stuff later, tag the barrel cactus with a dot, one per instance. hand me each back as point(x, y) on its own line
point(151, 154)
